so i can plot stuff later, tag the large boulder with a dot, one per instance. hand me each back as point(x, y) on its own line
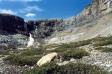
point(11, 23)
point(47, 58)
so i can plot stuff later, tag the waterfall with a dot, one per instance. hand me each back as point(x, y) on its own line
point(31, 41)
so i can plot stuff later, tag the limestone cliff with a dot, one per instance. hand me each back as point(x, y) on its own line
point(93, 21)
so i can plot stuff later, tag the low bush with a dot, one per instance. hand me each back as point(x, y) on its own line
point(103, 43)
point(76, 44)
point(4, 52)
point(81, 43)
point(74, 53)
point(64, 47)
point(71, 68)
point(33, 51)
point(22, 60)
point(104, 49)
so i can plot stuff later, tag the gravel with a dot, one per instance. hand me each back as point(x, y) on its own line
point(101, 59)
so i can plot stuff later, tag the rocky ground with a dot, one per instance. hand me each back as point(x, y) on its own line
point(5, 68)
point(101, 59)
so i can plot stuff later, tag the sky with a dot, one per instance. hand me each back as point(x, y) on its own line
point(43, 9)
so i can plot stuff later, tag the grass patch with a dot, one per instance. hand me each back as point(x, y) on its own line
point(32, 51)
point(4, 52)
point(25, 57)
point(51, 46)
point(76, 44)
point(22, 60)
point(74, 53)
point(109, 38)
point(104, 49)
point(77, 68)
point(80, 43)
point(64, 47)
point(103, 43)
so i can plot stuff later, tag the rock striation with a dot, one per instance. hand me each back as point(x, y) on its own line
point(92, 22)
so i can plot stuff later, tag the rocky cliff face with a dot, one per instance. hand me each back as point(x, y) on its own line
point(43, 28)
point(10, 23)
point(93, 21)
point(94, 11)
point(11, 28)
point(15, 31)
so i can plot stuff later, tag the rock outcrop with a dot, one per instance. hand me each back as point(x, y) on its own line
point(43, 28)
point(11, 23)
point(93, 21)
point(12, 31)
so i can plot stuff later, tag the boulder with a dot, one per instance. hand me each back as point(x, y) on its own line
point(47, 58)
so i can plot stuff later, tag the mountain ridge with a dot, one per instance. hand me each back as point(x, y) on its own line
point(85, 25)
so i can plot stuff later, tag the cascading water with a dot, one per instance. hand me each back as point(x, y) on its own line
point(30, 42)
point(31, 39)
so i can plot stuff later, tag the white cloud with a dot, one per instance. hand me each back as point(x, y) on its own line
point(8, 11)
point(31, 8)
point(30, 15)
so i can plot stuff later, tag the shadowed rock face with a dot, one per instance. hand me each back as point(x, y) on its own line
point(11, 28)
point(11, 23)
point(43, 28)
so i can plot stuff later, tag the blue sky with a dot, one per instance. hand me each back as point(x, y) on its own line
point(43, 9)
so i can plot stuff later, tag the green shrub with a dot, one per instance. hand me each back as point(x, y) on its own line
point(71, 68)
point(103, 43)
point(82, 43)
point(60, 49)
point(22, 60)
point(104, 49)
point(76, 44)
point(51, 46)
point(76, 54)
point(64, 47)
point(49, 68)
point(102, 38)
point(34, 51)
point(4, 52)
